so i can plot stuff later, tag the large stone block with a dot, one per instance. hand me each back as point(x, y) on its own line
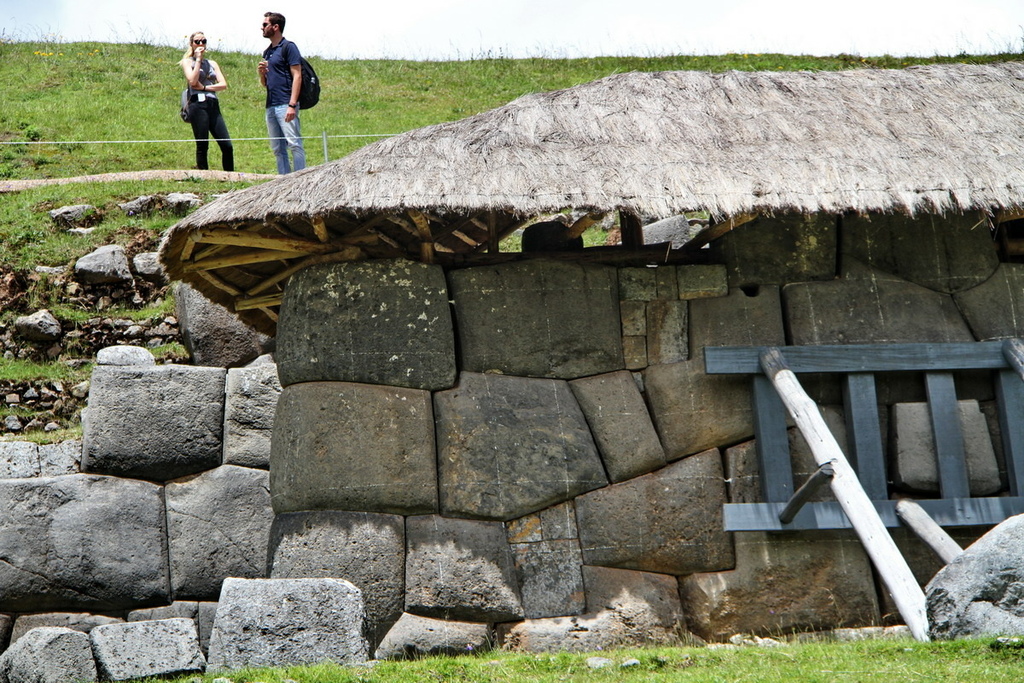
point(414, 636)
point(202, 613)
point(212, 334)
point(81, 542)
point(159, 422)
point(538, 319)
point(251, 395)
point(995, 308)
point(638, 284)
point(669, 521)
point(694, 411)
point(19, 459)
point(57, 459)
point(79, 621)
point(287, 622)
point(553, 524)
point(356, 447)
point(364, 548)
point(633, 315)
point(644, 596)
point(168, 647)
point(49, 655)
point(549, 577)
point(508, 446)
point(460, 569)
point(914, 462)
point(751, 316)
point(870, 306)
point(620, 424)
point(947, 254)
point(783, 583)
point(778, 250)
point(979, 593)
point(702, 281)
point(624, 609)
point(667, 340)
point(218, 523)
point(372, 322)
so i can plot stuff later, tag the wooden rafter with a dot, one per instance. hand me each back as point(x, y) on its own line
point(235, 238)
point(243, 259)
point(387, 240)
point(265, 301)
point(320, 228)
point(423, 232)
point(584, 222)
point(464, 237)
point(1004, 215)
point(219, 283)
point(713, 232)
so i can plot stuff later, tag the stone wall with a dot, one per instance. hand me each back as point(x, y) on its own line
point(165, 497)
point(531, 447)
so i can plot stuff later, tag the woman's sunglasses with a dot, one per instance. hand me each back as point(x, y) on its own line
point(201, 41)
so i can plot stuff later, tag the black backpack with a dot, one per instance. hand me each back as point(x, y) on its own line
point(310, 93)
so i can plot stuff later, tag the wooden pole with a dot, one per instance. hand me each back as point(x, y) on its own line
point(854, 501)
point(822, 476)
point(1013, 352)
point(631, 229)
point(921, 523)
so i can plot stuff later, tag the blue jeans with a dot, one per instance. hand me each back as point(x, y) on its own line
point(285, 136)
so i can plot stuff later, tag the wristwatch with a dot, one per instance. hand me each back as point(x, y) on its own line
point(293, 105)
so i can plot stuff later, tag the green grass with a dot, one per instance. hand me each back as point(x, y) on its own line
point(31, 371)
point(31, 238)
point(75, 92)
point(882, 661)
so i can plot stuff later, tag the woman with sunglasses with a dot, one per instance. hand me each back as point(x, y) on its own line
point(205, 81)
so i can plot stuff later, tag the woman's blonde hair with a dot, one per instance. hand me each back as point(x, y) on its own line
point(190, 52)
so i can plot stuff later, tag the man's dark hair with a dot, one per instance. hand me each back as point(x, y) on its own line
point(275, 18)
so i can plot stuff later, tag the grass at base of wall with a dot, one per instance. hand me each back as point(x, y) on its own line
point(964, 661)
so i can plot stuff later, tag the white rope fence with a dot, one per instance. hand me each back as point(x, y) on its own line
point(122, 142)
point(323, 137)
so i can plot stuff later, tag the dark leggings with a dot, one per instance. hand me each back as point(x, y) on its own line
point(206, 119)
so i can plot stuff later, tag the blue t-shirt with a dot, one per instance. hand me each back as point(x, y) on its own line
point(279, 74)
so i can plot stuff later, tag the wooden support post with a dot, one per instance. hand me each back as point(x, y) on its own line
point(1010, 406)
point(950, 456)
point(822, 476)
point(882, 550)
point(864, 433)
point(631, 229)
point(921, 523)
point(493, 244)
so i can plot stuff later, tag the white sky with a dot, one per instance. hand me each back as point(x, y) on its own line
point(463, 29)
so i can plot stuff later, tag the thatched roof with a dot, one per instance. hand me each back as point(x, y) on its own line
point(929, 139)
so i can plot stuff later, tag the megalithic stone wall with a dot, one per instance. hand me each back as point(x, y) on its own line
point(531, 447)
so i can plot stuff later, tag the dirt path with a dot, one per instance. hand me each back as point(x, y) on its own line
point(229, 176)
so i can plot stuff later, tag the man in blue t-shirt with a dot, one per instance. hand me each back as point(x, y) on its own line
point(281, 74)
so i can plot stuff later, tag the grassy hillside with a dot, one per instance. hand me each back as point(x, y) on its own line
point(126, 96)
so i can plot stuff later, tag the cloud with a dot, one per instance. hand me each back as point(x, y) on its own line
point(440, 29)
